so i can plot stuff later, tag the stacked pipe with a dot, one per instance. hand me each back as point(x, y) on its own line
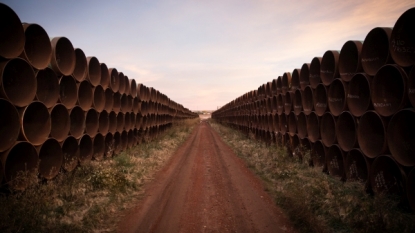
point(60, 108)
point(353, 108)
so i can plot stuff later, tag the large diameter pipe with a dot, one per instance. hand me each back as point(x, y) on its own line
point(121, 80)
point(320, 100)
point(109, 100)
point(136, 105)
point(358, 95)
point(329, 68)
point(17, 82)
point(127, 121)
point(98, 101)
point(9, 124)
point(285, 82)
point(105, 76)
point(104, 122)
point(375, 50)
point(297, 102)
point(279, 85)
point(307, 100)
point(387, 177)
point(93, 71)
point(356, 166)
point(68, 91)
point(60, 122)
point(12, 40)
point(302, 125)
point(85, 95)
point(98, 146)
point(116, 107)
point(120, 122)
point(114, 80)
point(346, 131)
point(318, 155)
point(288, 102)
point(402, 41)
point(295, 79)
point(70, 150)
point(50, 158)
point(133, 88)
point(334, 161)
point(77, 117)
point(131, 139)
point(283, 123)
point(315, 67)
point(124, 104)
point(280, 103)
point(86, 149)
point(80, 70)
point(47, 90)
point(292, 124)
point(337, 97)
point(37, 49)
point(313, 127)
point(389, 95)
point(371, 134)
point(410, 188)
point(109, 145)
point(350, 60)
point(112, 117)
point(22, 157)
point(328, 129)
point(127, 85)
point(36, 123)
point(63, 56)
point(401, 137)
point(304, 76)
point(91, 122)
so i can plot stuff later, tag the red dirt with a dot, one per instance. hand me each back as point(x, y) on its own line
point(205, 187)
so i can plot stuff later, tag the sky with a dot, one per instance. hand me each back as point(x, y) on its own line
point(205, 53)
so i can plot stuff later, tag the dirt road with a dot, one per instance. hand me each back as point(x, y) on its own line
point(205, 187)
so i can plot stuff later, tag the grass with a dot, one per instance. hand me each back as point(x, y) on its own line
point(313, 200)
point(93, 196)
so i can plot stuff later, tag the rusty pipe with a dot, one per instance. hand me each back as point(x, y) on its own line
point(103, 122)
point(77, 117)
point(389, 95)
point(85, 95)
point(318, 155)
point(109, 100)
point(402, 41)
point(105, 76)
point(12, 41)
point(295, 79)
point(93, 74)
point(371, 134)
point(320, 99)
point(98, 146)
point(98, 101)
point(47, 87)
point(127, 85)
point(329, 68)
point(350, 60)
point(60, 122)
point(292, 124)
point(280, 104)
point(336, 97)
point(68, 91)
point(127, 121)
point(120, 122)
point(86, 149)
point(288, 102)
point(121, 80)
point(91, 122)
point(17, 82)
point(136, 105)
point(356, 166)
point(334, 161)
point(133, 88)
point(35, 123)
point(37, 49)
point(358, 95)
point(302, 125)
point(375, 50)
point(346, 131)
point(286, 82)
point(328, 129)
point(307, 100)
point(400, 136)
point(80, 70)
point(315, 77)
point(297, 102)
point(9, 125)
point(304, 76)
point(124, 104)
point(279, 85)
point(63, 56)
point(112, 119)
point(124, 140)
point(114, 80)
point(70, 150)
point(50, 158)
point(283, 123)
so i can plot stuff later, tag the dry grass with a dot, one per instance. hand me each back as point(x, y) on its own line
point(92, 197)
point(315, 201)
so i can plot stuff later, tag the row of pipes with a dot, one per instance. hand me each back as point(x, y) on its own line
point(353, 109)
point(59, 108)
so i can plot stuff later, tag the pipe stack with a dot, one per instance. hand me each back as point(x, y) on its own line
point(60, 108)
point(354, 108)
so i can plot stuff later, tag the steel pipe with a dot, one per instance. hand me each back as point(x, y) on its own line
point(375, 50)
point(302, 125)
point(318, 155)
point(328, 129)
point(112, 117)
point(22, 157)
point(109, 145)
point(350, 60)
point(116, 107)
point(307, 100)
point(402, 41)
point(320, 100)
point(371, 134)
point(280, 103)
point(286, 82)
point(389, 95)
point(98, 146)
point(63, 56)
point(288, 106)
point(85, 95)
point(401, 137)
point(47, 87)
point(105, 76)
point(70, 150)
point(329, 68)
point(109, 100)
point(9, 125)
point(35, 123)
point(356, 166)
point(124, 104)
point(93, 74)
point(127, 85)
point(77, 117)
point(120, 122)
point(99, 98)
point(337, 97)
point(127, 121)
point(283, 123)
point(12, 41)
point(121, 80)
point(133, 88)
point(304, 76)
point(131, 139)
point(346, 131)
point(17, 82)
point(114, 80)
point(292, 124)
point(315, 77)
point(334, 161)
point(295, 79)
point(68, 91)
point(60, 122)
point(103, 122)
point(358, 95)
point(80, 70)
point(50, 158)
point(91, 122)
point(279, 85)
point(37, 49)
point(297, 102)
point(86, 149)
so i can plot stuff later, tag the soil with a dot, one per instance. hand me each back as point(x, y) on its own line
point(205, 187)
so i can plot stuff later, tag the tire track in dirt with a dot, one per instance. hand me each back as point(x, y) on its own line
point(205, 187)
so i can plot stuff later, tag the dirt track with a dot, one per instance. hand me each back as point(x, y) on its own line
point(205, 187)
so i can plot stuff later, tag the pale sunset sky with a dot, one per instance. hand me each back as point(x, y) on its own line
point(203, 54)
